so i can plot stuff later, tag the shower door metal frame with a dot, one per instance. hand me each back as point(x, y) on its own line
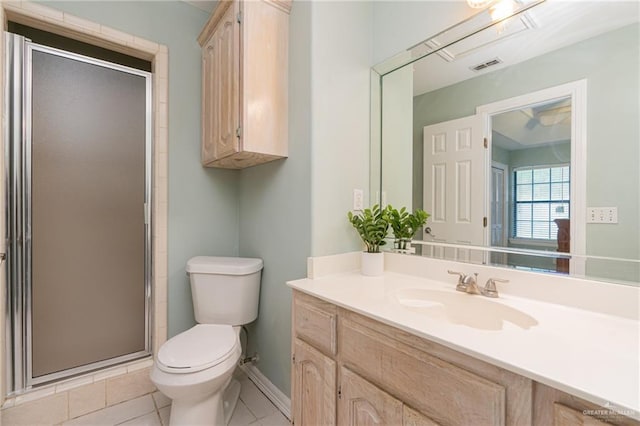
point(18, 140)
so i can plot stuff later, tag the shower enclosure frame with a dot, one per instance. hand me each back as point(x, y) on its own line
point(17, 152)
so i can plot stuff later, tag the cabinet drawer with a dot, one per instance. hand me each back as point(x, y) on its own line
point(314, 321)
point(444, 392)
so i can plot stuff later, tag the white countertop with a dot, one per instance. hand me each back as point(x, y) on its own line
point(588, 354)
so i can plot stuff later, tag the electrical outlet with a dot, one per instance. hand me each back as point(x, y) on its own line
point(602, 215)
point(358, 199)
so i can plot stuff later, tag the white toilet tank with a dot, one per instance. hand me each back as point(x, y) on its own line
point(225, 290)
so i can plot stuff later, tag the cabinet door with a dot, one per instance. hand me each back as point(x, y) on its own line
point(361, 403)
point(221, 88)
point(210, 87)
point(411, 417)
point(565, 416)
point(314, 387)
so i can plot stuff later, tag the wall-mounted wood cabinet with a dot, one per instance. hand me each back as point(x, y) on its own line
point(351, 370)
point(245, 83)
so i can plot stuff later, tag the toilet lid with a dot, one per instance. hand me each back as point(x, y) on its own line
point(198, 348)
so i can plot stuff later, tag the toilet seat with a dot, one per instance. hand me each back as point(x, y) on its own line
point(199, 348)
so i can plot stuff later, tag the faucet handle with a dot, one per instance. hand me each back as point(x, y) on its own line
point(462, 286)
point(489, 289)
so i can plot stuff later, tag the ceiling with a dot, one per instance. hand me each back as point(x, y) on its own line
point(546, 27)
point(533, 126)
point(205, 5)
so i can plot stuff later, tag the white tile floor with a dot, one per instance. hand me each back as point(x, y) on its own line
point(253, 409)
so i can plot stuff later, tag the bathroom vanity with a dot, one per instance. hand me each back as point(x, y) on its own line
point(359, 356)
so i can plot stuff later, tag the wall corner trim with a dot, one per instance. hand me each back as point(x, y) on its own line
point(275, 395)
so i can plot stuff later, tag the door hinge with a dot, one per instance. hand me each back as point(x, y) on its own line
point(239, 17)
point(293, 358)
point(484, 221)
point(486, 143)
point(339, 391)
point(147, 214)
point(239, 132)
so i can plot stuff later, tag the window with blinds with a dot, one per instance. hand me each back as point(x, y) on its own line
point(541, 195)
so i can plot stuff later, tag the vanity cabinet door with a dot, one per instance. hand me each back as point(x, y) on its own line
point(411, 417)
point(314, 387)
point(361, 403)
point(552, 407)
point(565, 416)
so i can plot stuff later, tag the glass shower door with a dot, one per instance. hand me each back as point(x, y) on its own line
point(85, 254)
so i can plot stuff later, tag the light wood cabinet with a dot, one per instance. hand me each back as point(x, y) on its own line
point(361, 403)
point(565, 416)
point(314, 388)
point(554, 407)
point(383, 375)
point(245, 83)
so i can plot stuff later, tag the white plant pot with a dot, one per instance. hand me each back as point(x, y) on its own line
point(372, 264)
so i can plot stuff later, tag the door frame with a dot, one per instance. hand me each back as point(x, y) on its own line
point(577, 91)
point(506, 220)
point(20, 268)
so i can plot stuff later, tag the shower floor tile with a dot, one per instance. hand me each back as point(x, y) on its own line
point(154, 410)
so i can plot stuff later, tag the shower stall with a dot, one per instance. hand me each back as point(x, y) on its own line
point(78, 218)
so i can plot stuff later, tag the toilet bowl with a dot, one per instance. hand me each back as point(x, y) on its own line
point(195, 368)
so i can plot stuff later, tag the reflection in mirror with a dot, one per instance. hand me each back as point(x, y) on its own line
point(529, 190)
point(530, 181)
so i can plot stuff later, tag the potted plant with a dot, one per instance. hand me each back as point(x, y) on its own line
point(405, 225)
point(372, 225)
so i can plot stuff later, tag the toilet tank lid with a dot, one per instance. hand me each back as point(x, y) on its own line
point(223, 265)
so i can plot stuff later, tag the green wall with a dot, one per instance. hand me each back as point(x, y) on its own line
point(558, 153)
point(297, 207)
point(340, 47)
point(275, 214)
point(610, 63)
point(203, 203)
point(274, 210)
point(499, 154)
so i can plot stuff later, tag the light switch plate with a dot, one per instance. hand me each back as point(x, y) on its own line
point(602, 215)
point(358, 199)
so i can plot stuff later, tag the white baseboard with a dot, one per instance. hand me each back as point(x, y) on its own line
point(275, 395)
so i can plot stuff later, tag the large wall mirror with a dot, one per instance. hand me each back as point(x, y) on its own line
point(518, 131)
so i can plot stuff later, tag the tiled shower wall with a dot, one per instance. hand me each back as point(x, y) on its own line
point(73, 398)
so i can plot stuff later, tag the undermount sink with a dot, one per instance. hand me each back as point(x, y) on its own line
point(463, 309)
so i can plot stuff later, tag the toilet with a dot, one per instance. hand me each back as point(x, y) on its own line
point(195, 367)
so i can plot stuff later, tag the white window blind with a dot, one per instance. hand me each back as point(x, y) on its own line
point(541, 195)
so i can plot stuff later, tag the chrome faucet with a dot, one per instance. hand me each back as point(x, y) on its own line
point(489, 289)
point(466, 283)
point(469, 284)
point(461, 277)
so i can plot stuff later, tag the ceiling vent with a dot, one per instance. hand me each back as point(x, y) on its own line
point(489, 63)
